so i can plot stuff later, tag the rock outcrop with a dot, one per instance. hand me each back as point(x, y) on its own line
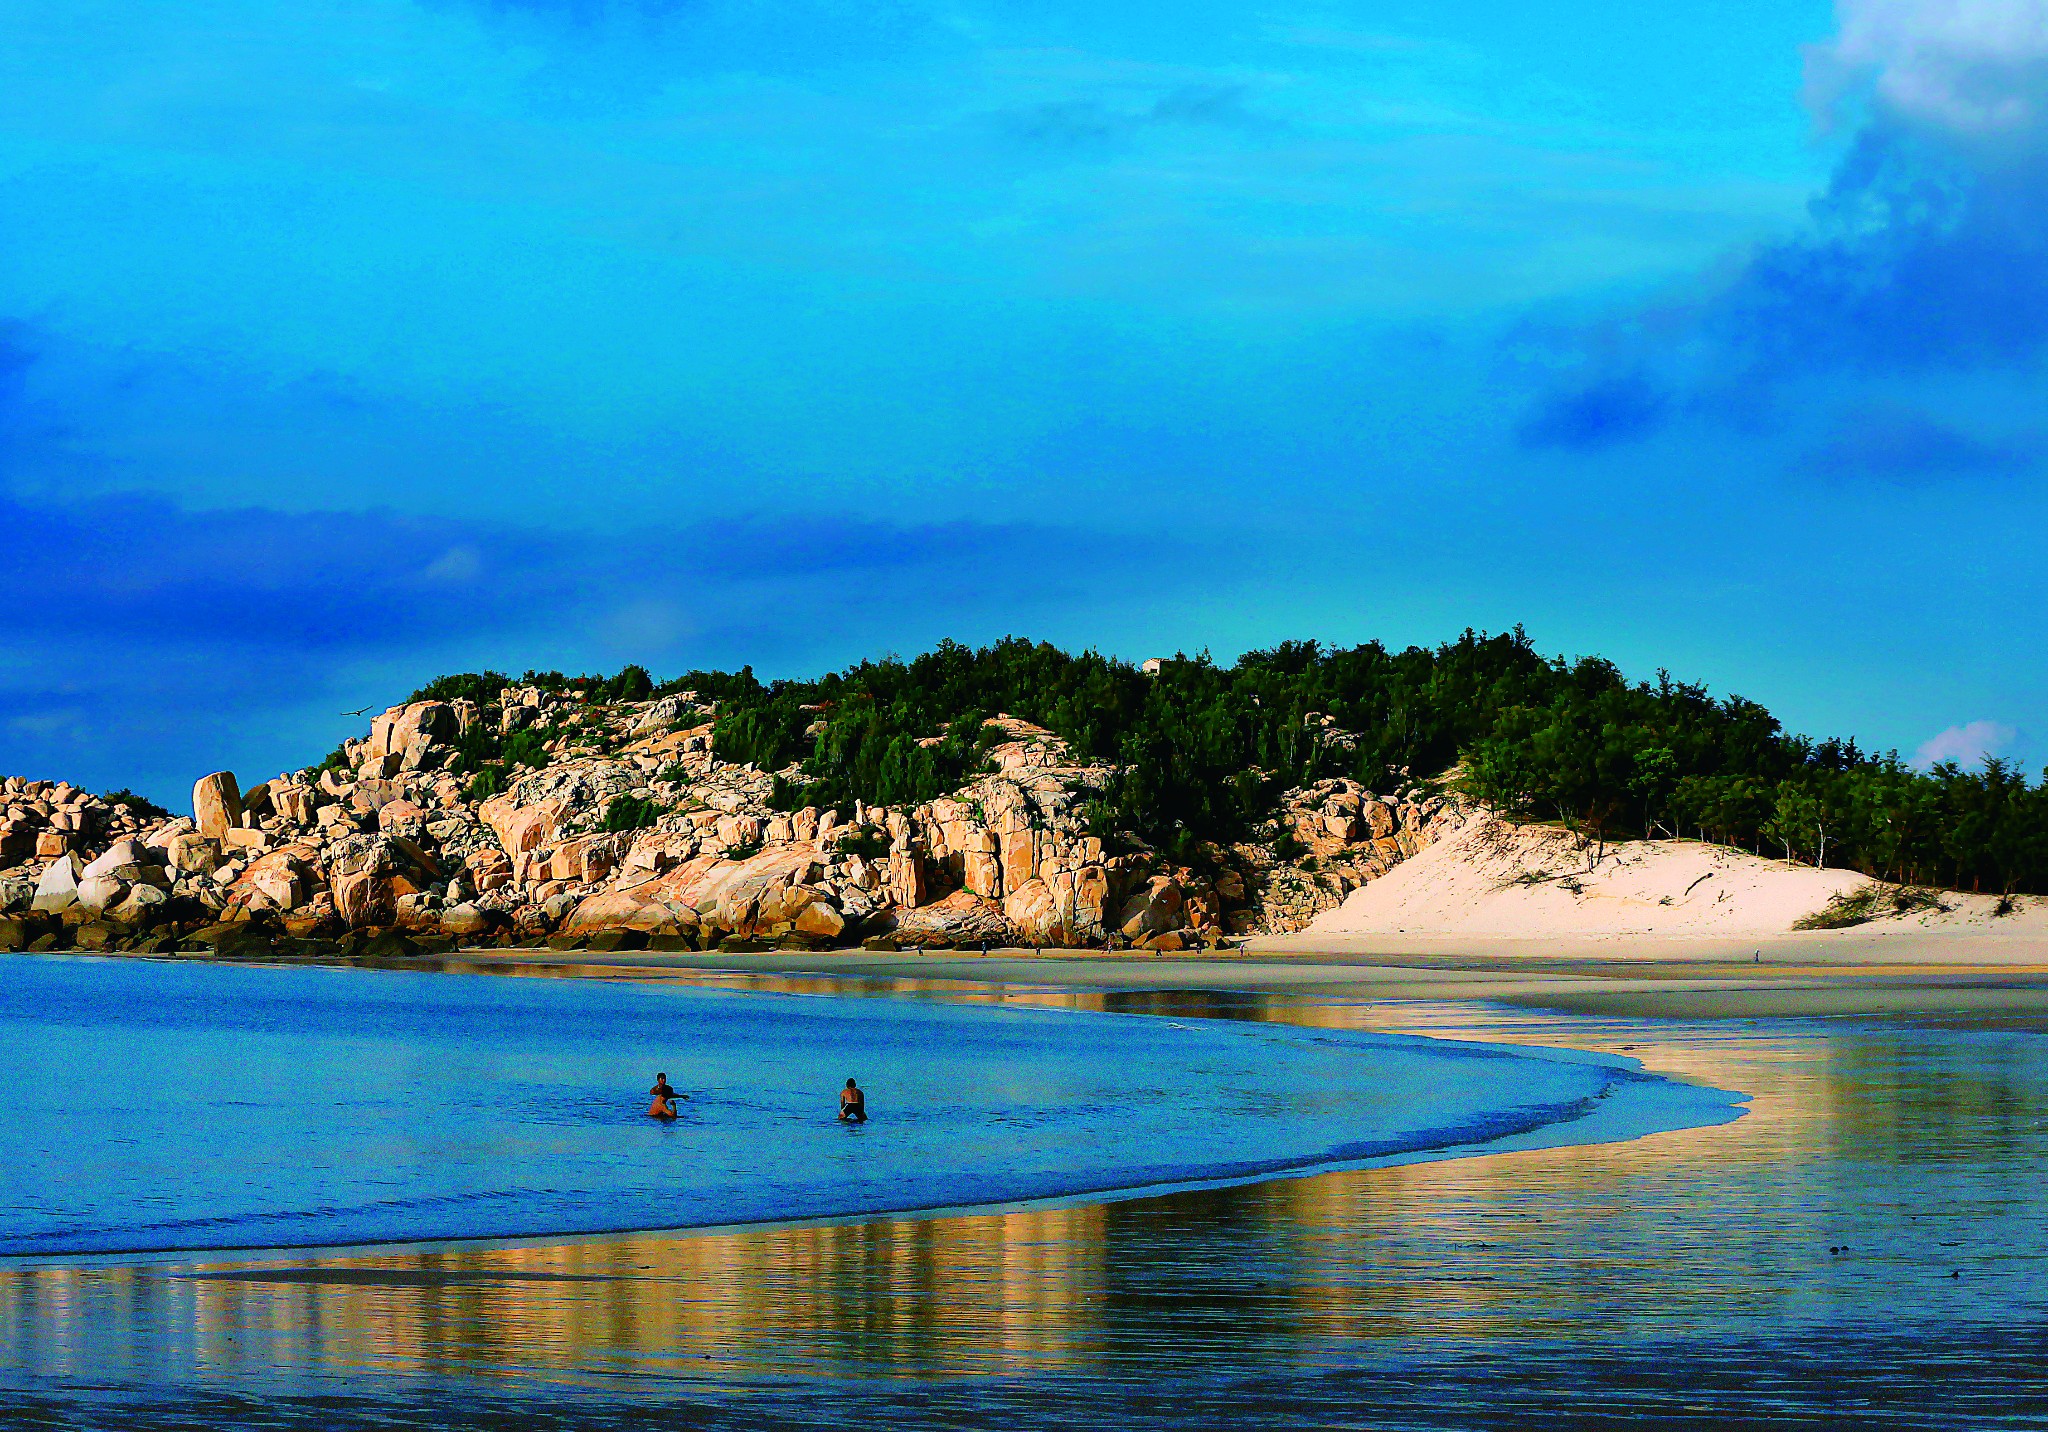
point(634, 831)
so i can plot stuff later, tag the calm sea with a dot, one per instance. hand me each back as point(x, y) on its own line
point(1864, 1246)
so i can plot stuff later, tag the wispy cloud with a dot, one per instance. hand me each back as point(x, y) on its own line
point(1966, 745)
point(1928, 251)
point(165, 639)
point(1909, 449)
point(1088, 122)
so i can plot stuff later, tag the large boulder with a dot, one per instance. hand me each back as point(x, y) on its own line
point(217, 804)
point(962, 918)
point(637, 909)
point(57, 889)
point(1084, 899)
point(97, 892)
point(418, 911)
point(424, 722)
point(18, 932)
point(402, 816)
point(1034, 911)
point(820, 921)
point(279, 885)
point(121, 855)
point(142, 905)
point(1154, 909)
point(465, 921)
point(191, 853)
point(742, 897)
point(295, 804)
point(364, 898)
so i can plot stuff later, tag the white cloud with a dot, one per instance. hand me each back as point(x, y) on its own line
point(1966, 745)
point(1970, 66)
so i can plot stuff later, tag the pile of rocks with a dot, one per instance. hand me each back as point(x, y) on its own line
point(1330, 839)
point(401, 845)
point(40, 820)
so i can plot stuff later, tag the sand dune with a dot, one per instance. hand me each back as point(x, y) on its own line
point(1495, 881)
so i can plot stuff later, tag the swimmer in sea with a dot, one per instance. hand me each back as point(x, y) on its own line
point(853, 1105)
point(664, 1105)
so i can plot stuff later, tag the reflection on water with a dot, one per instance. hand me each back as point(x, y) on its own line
point(1873, 1230)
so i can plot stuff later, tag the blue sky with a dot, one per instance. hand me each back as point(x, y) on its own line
point(347, 342)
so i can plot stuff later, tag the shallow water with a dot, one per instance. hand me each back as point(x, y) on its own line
point(1868, 1246)
point(159, 1106)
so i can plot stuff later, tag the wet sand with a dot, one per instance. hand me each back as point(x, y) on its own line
point(1699, 981)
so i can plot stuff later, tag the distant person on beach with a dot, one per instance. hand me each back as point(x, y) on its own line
point(664, 1105)
point(853, 1105)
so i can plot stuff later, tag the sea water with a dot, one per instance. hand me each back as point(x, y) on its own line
point(166, 1105)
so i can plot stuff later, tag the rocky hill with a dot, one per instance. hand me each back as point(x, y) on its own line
point(617, 825)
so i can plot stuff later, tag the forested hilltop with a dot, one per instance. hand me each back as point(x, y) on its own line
point(1014, 795)
point(1202, 754)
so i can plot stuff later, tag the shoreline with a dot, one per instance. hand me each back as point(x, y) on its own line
point(1571, 978)
point(1590, 1120)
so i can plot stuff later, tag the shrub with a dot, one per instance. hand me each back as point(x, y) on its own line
point(482, 687)
point(1872, 902)
point(630, 813)
point(632, 684)
point(142, 806)
point(1842, 911)
point(475, 748)
point(488, 782)
point(864, 841)
point(529, 747)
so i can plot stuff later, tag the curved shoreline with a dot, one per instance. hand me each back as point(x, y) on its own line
point(1553, 1116)
point(1486, 1130)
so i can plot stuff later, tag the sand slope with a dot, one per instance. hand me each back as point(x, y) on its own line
point(1497, 880)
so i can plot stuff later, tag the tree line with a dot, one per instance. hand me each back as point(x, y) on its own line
point(1203, 750)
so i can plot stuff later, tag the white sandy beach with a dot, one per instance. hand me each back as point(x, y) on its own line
point(1503, 891)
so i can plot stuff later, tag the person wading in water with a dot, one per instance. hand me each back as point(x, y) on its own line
point(664, 1105)
point(853, 1105)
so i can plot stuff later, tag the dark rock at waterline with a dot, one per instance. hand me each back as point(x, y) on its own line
point(19, 932)
point(97, 935)
point(389, 944)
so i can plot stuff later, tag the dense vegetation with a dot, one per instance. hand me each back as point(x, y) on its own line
point(1203, 750)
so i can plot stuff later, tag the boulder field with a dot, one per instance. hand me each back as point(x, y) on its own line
point(633, 833)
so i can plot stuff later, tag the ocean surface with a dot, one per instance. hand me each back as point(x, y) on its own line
point(1867, 1245)
point(166, 1106)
